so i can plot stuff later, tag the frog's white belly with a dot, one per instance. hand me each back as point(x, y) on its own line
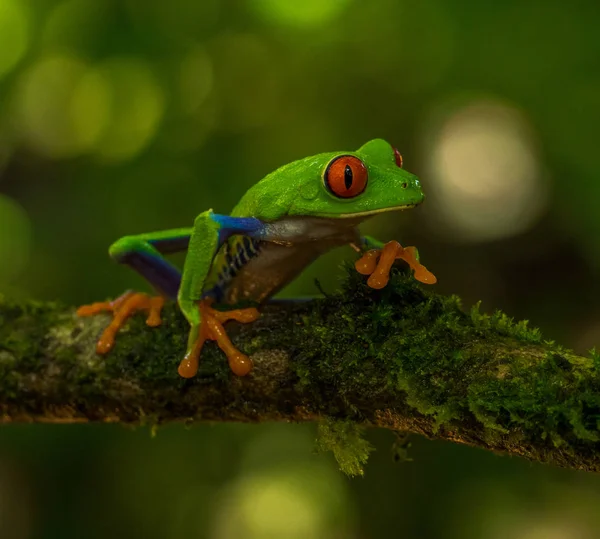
point(273, 268)
point(292, 245)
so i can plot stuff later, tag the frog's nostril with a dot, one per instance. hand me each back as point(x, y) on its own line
point(404, 185)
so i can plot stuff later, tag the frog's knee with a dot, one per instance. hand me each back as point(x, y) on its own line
point(123, 247)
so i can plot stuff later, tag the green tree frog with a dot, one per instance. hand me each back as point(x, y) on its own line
point(283, 223)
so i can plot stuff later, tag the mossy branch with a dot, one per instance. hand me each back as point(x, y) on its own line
point(403, 358)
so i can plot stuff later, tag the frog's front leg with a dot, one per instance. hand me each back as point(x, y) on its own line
point(209, 233)
point(378, 259)
point(209, 326)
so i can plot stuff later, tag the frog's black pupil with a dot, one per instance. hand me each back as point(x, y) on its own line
point(348, 177)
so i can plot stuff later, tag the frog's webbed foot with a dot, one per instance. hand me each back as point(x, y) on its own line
point(377, 263)
point(211, 328)
point(122, 308)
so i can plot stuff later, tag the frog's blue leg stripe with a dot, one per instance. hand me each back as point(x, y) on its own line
point(228, 226)
point(239, 253)
point(143, 253)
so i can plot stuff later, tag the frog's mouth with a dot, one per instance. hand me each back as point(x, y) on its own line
point(372, 212)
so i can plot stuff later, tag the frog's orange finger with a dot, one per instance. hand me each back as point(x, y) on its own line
point(189, 364)
point(239, 363)
point(367, 263)
point(94, 308)
point(188, 367)
point(240, 315)
point(421, 273)
point(380, 277)
point(211, 328)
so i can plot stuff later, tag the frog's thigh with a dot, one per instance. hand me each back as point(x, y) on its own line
point(144, 254)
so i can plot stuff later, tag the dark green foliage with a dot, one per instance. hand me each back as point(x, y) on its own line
point(453, 367)
point(345, 440)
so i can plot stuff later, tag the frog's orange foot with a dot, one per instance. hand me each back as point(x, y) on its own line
point(377, 263)
point(420, 272)
point(122, 308)
point(211, 329)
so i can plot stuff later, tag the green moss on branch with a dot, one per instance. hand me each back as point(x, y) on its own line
point(403, 358)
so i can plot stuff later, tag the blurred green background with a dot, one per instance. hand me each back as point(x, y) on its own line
point(127, 116)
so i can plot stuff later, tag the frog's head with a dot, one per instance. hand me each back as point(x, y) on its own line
point(357, 184)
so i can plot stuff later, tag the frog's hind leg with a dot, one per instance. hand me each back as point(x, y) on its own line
point(143, 253)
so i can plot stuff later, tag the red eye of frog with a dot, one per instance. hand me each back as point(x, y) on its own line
point(346, 176)
point(398, 157)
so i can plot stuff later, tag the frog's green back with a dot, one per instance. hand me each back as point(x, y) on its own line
point(298, 188)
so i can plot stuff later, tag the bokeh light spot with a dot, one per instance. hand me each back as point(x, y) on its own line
point(180, 20)
point(74, 24)
point(302, 14)
point(136, 107)
point(49, 98)
point(195, 80)
point(15, 239)
point(14, 34)
point(5, 153)
point(551, 509)
point(166, 195)
point(247, 81)
point(89, 107)
point(302, 502)
point(484, 164)
point(389, 55)
point(17, 503)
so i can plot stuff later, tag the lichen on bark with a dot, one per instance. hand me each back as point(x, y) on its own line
point(403, 358)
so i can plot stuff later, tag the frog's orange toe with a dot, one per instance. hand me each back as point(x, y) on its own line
point(423, 275)
point(122, 308)
point(188, 367)
point(211, 328)
point(378, 281)
point(240, 364)
point(420, 272)
point(367, 263)
point(104, 345)
point(378, 263)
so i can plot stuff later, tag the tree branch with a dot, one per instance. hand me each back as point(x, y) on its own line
point(403, 358)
